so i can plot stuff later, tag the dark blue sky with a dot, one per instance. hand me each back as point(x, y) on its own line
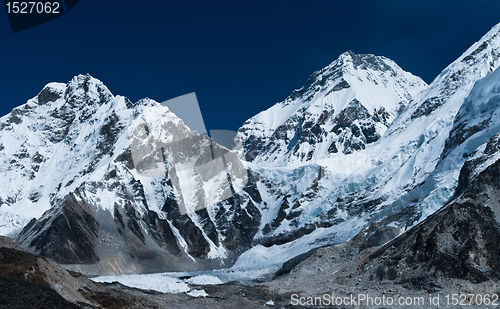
point(240, 57)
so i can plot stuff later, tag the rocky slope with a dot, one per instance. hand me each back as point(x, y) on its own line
point(452, 251)
point(31, 281)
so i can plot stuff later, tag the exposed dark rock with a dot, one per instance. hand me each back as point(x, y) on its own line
point(162, 233)
point(30, 281)
point(355, 127)
point(333, 148)
point(381, 115)
point(15, 116)
point(473, 55)
point(251, 188)
point(197, 244)
point(109, 132)
point(67, 235)
point(461, 133)
point(281, 213)
point(126, 157)
point(369, 61)
point(21, 294)
point(118, 218)
point(427, 107)
point(380, 237)
point(289, 236)
point(47, 95)
point(240, 224)
point(208, 226)
point(354, 111)
point(343, 84)
point(289, 265)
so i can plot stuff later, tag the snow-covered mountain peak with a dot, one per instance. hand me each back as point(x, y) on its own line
point(344, 106)
point(78, 158)
point(348, 71)
point(85, 89)
point(366, 62)
point(409, 170)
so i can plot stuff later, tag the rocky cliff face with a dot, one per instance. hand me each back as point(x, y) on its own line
point(458, 241)
point(452, 251)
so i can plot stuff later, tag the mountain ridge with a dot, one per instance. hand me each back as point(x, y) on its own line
point(76, 159)
point(148, 194)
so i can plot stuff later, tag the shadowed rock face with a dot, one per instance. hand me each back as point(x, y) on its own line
point(30, 281)
point(17, 293)
point(68, 236)
point(459, 241)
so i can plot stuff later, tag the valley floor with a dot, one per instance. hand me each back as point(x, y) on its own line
point(31, 281)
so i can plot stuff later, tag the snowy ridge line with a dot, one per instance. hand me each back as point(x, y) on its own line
point(362, 145)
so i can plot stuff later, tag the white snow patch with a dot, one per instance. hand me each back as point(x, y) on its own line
point(197, 293)
point(204, 279)
point(157, 282)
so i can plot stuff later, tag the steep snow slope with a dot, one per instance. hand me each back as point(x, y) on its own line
point(432, 121)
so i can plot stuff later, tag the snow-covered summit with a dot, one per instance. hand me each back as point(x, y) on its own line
point(341, 108)
point(85, 168)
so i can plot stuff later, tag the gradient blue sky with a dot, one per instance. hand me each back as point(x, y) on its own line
point(240, 57)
